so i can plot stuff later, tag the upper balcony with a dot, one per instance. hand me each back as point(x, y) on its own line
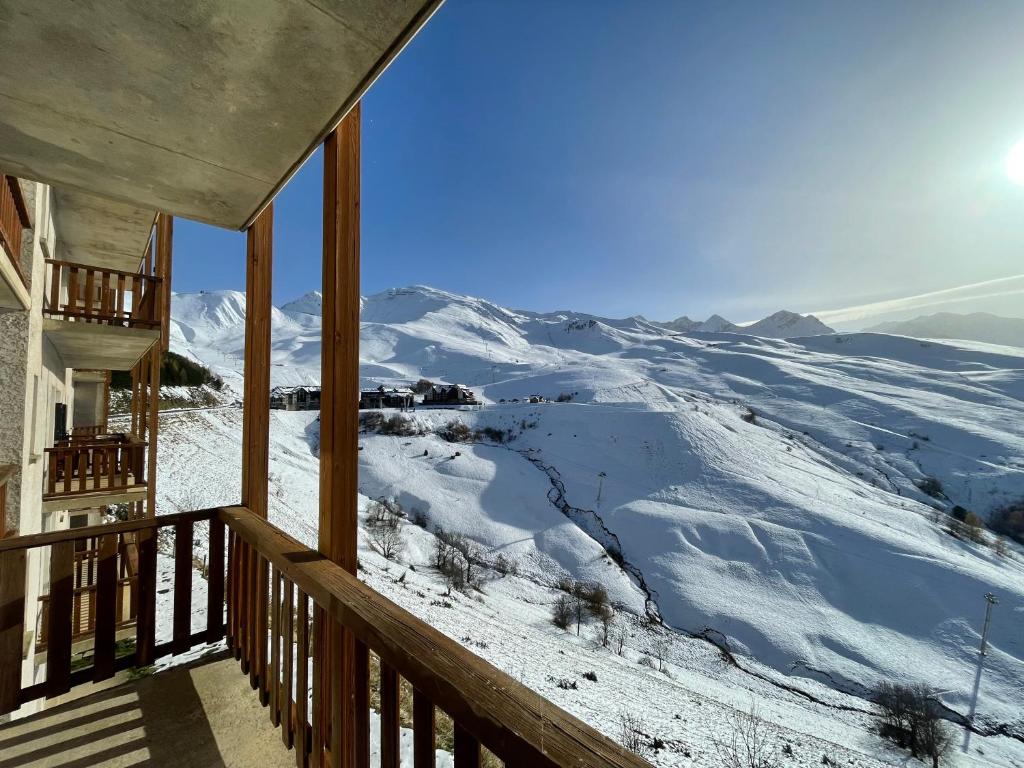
point(101, 318)
point(91, 470)
point(14, 220)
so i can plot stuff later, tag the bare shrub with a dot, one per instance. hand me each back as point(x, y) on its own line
point(619, 633)
point(910, 718)
point(561, 612)
point(660, 649)
point(456, 432)
point(631, 734)
point(383, 525)
point(750, 745)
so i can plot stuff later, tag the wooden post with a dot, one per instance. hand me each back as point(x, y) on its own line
point(155, 355)
point(256, 395)
point(165, 238)
point(338, 669)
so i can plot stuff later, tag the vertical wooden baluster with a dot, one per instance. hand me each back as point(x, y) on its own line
point(361, 658)
point(90, 287)
point(244, 615)
point(467, 749)
point(389, 725)
point(319, 716)
point(215, 583)
point(145, 631)
point(72, 290)
point(262, 629)
point(58, 640)
point(274, 683)
point(69, 471)
point(83, 470)
point(232, 641)
point(288, 630)
point(423, 751)
point(115, 454)
point(12, 627)
point(302, 745)
point(106, 608)
point(182, 626)
point(119, 298)
point(98, 455)
point(105, 296)
point(51, 475)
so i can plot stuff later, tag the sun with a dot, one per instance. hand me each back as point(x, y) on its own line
point(1015, 163)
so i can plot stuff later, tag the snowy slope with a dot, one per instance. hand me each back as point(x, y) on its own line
point(976, 326)
point(763, 492)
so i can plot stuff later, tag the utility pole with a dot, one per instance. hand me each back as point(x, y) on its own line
point(990, 600)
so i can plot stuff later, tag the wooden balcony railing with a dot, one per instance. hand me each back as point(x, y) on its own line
point(108, 296)
point(281, 596)
point(14, 221)
point(87, 432)
point(94, 464)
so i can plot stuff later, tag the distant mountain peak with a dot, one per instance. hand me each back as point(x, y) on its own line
point(311, 303)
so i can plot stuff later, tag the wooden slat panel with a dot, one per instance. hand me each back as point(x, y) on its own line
point(58, 640)
point(302, 682)
point(467, 749)
point(12, 627)
point(145, 631)
point(389, 722)
point(423, 750)
point(107, 590)
point(288, 632)
point(215, 584)
point(182, 628)
point(274, 683)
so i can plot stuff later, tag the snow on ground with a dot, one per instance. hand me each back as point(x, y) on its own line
point(761, 492)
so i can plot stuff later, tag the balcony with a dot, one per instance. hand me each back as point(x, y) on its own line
point(13, 221)
point(94, 470)
point(292, 616)
point(101, 318)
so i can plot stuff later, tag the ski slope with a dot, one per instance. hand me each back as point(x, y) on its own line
point(761, 493)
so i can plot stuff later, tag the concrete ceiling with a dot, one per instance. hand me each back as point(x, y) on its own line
point(200, 109)
point(100, 232)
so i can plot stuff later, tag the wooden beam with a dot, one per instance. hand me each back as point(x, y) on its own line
point(155, 356)
point(164, 250)
point(256, 392)
point(339, 670)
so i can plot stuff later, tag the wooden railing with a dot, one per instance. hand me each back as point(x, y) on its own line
point(90, 431)
point(108, 656)
point(108, 296)
point(100, 463)
point(14, 221)
point(280, 597)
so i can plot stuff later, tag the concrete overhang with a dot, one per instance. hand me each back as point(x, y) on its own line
point(198, 109)
point(100, 232)
point(93, 345)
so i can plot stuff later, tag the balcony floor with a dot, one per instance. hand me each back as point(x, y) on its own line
point(203, 715)
point(95, 494)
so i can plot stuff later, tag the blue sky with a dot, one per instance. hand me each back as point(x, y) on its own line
point(677, 158)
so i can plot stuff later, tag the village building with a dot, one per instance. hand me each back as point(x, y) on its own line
point(381, 397)
point(450, 394)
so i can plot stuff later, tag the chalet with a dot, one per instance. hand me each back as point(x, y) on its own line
point(450, 394)
point(382, 397)
point(115, 119)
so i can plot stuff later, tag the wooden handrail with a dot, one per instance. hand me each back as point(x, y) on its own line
point(85, 466)
point(518, 725)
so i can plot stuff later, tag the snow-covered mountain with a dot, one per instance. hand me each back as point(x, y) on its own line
point(781, 325)
point(767, 494)
point(976, 326)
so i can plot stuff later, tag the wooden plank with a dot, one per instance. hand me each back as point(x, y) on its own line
point(55, 279)
point(361, 702)
point(31, 541)
point(107, 590)
point(467, 748)
point(58, 639)
point(423, 751)
point(154, 428)
point(302, 682)
point(182, 620)
point(262, 629)
point(518, 725)
point(215, 584)
point(12, 627)
point(164, 252)
point(389, 722)
point(119, 296)
point(256, 385)
point(232, 641)
point(288, 632)
point(319, 714)
point(90, 288)
point(145, 630)
point(274, 683)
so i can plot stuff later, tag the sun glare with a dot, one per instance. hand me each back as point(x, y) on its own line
point(1015, 163)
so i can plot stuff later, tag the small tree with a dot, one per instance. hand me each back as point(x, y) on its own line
point(561, 612)
point(390, 541)
point(632, 734)
point(749, 745)
point(660, 650)
point(910, 716)
point(619, 634)
point(422, 386)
